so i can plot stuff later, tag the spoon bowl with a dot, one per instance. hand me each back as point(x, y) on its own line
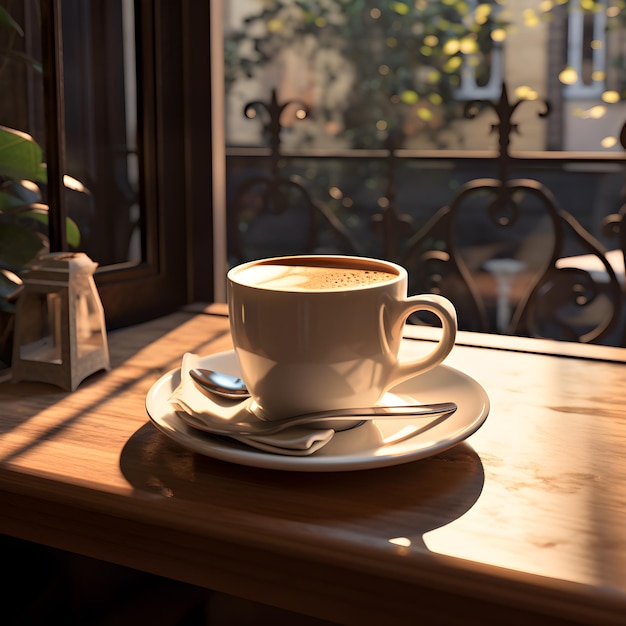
point(223, 385)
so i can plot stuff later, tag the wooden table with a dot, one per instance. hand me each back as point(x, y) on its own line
point(593, 265)
point(526, 520)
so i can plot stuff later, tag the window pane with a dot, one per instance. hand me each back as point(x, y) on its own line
point(450, 130)
point(23, 224)
point(101, 127)
point(119, 58)
point(397, 70)
point(101, 172)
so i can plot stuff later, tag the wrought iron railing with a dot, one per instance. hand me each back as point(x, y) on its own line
point(539, 292)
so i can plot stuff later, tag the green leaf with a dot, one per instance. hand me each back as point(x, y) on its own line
point(20, 156)
point(24, 59)
point(6, 307)
point(7, 20)
point(8, 202)
point(19, 246)
point(10, 284)
point(40, 213)
point(37, 212)
point(72, 233)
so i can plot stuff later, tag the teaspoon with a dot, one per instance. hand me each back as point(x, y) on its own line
point(220, 384)
point(247, 423)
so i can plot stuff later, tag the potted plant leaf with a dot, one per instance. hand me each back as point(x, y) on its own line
point(23, 222)
point(23, 213)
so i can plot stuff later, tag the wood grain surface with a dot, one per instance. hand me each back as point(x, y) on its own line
point(525, 520)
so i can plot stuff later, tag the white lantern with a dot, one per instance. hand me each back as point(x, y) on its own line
point(60, 332)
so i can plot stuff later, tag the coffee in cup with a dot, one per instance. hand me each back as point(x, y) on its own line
point(319, 332)
point(310, 277)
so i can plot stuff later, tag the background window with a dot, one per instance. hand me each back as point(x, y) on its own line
point(123, 80)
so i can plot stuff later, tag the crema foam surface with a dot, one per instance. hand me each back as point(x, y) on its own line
point(310, 278)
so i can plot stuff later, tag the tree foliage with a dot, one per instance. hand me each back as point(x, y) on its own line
point(402, 59)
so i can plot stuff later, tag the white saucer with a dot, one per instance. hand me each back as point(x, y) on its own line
point(368, 446)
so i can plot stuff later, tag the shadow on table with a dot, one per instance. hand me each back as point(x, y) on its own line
point(406, 500)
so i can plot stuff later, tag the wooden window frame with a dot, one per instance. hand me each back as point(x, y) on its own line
point(174, 146)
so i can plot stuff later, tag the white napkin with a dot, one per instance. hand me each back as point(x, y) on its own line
point(194, 404)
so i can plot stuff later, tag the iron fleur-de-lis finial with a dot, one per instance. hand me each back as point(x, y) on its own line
point(504, 109)
point(274, 110)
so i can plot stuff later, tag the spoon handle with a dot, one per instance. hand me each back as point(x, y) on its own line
point(358, 414)
point(244, 428)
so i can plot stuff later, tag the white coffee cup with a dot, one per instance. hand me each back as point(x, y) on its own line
point(323, 331)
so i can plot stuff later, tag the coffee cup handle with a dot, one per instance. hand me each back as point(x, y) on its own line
point(444, 309)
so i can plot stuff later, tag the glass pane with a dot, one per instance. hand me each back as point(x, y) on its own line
point(387, 128)
point(101, 127)
point(41, 340)
point(393, 71)
point(23, 224)
point(102, 171)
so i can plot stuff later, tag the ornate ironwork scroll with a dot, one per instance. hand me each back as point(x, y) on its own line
point(614, 225)
point(557, 296)
point(282, 208)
